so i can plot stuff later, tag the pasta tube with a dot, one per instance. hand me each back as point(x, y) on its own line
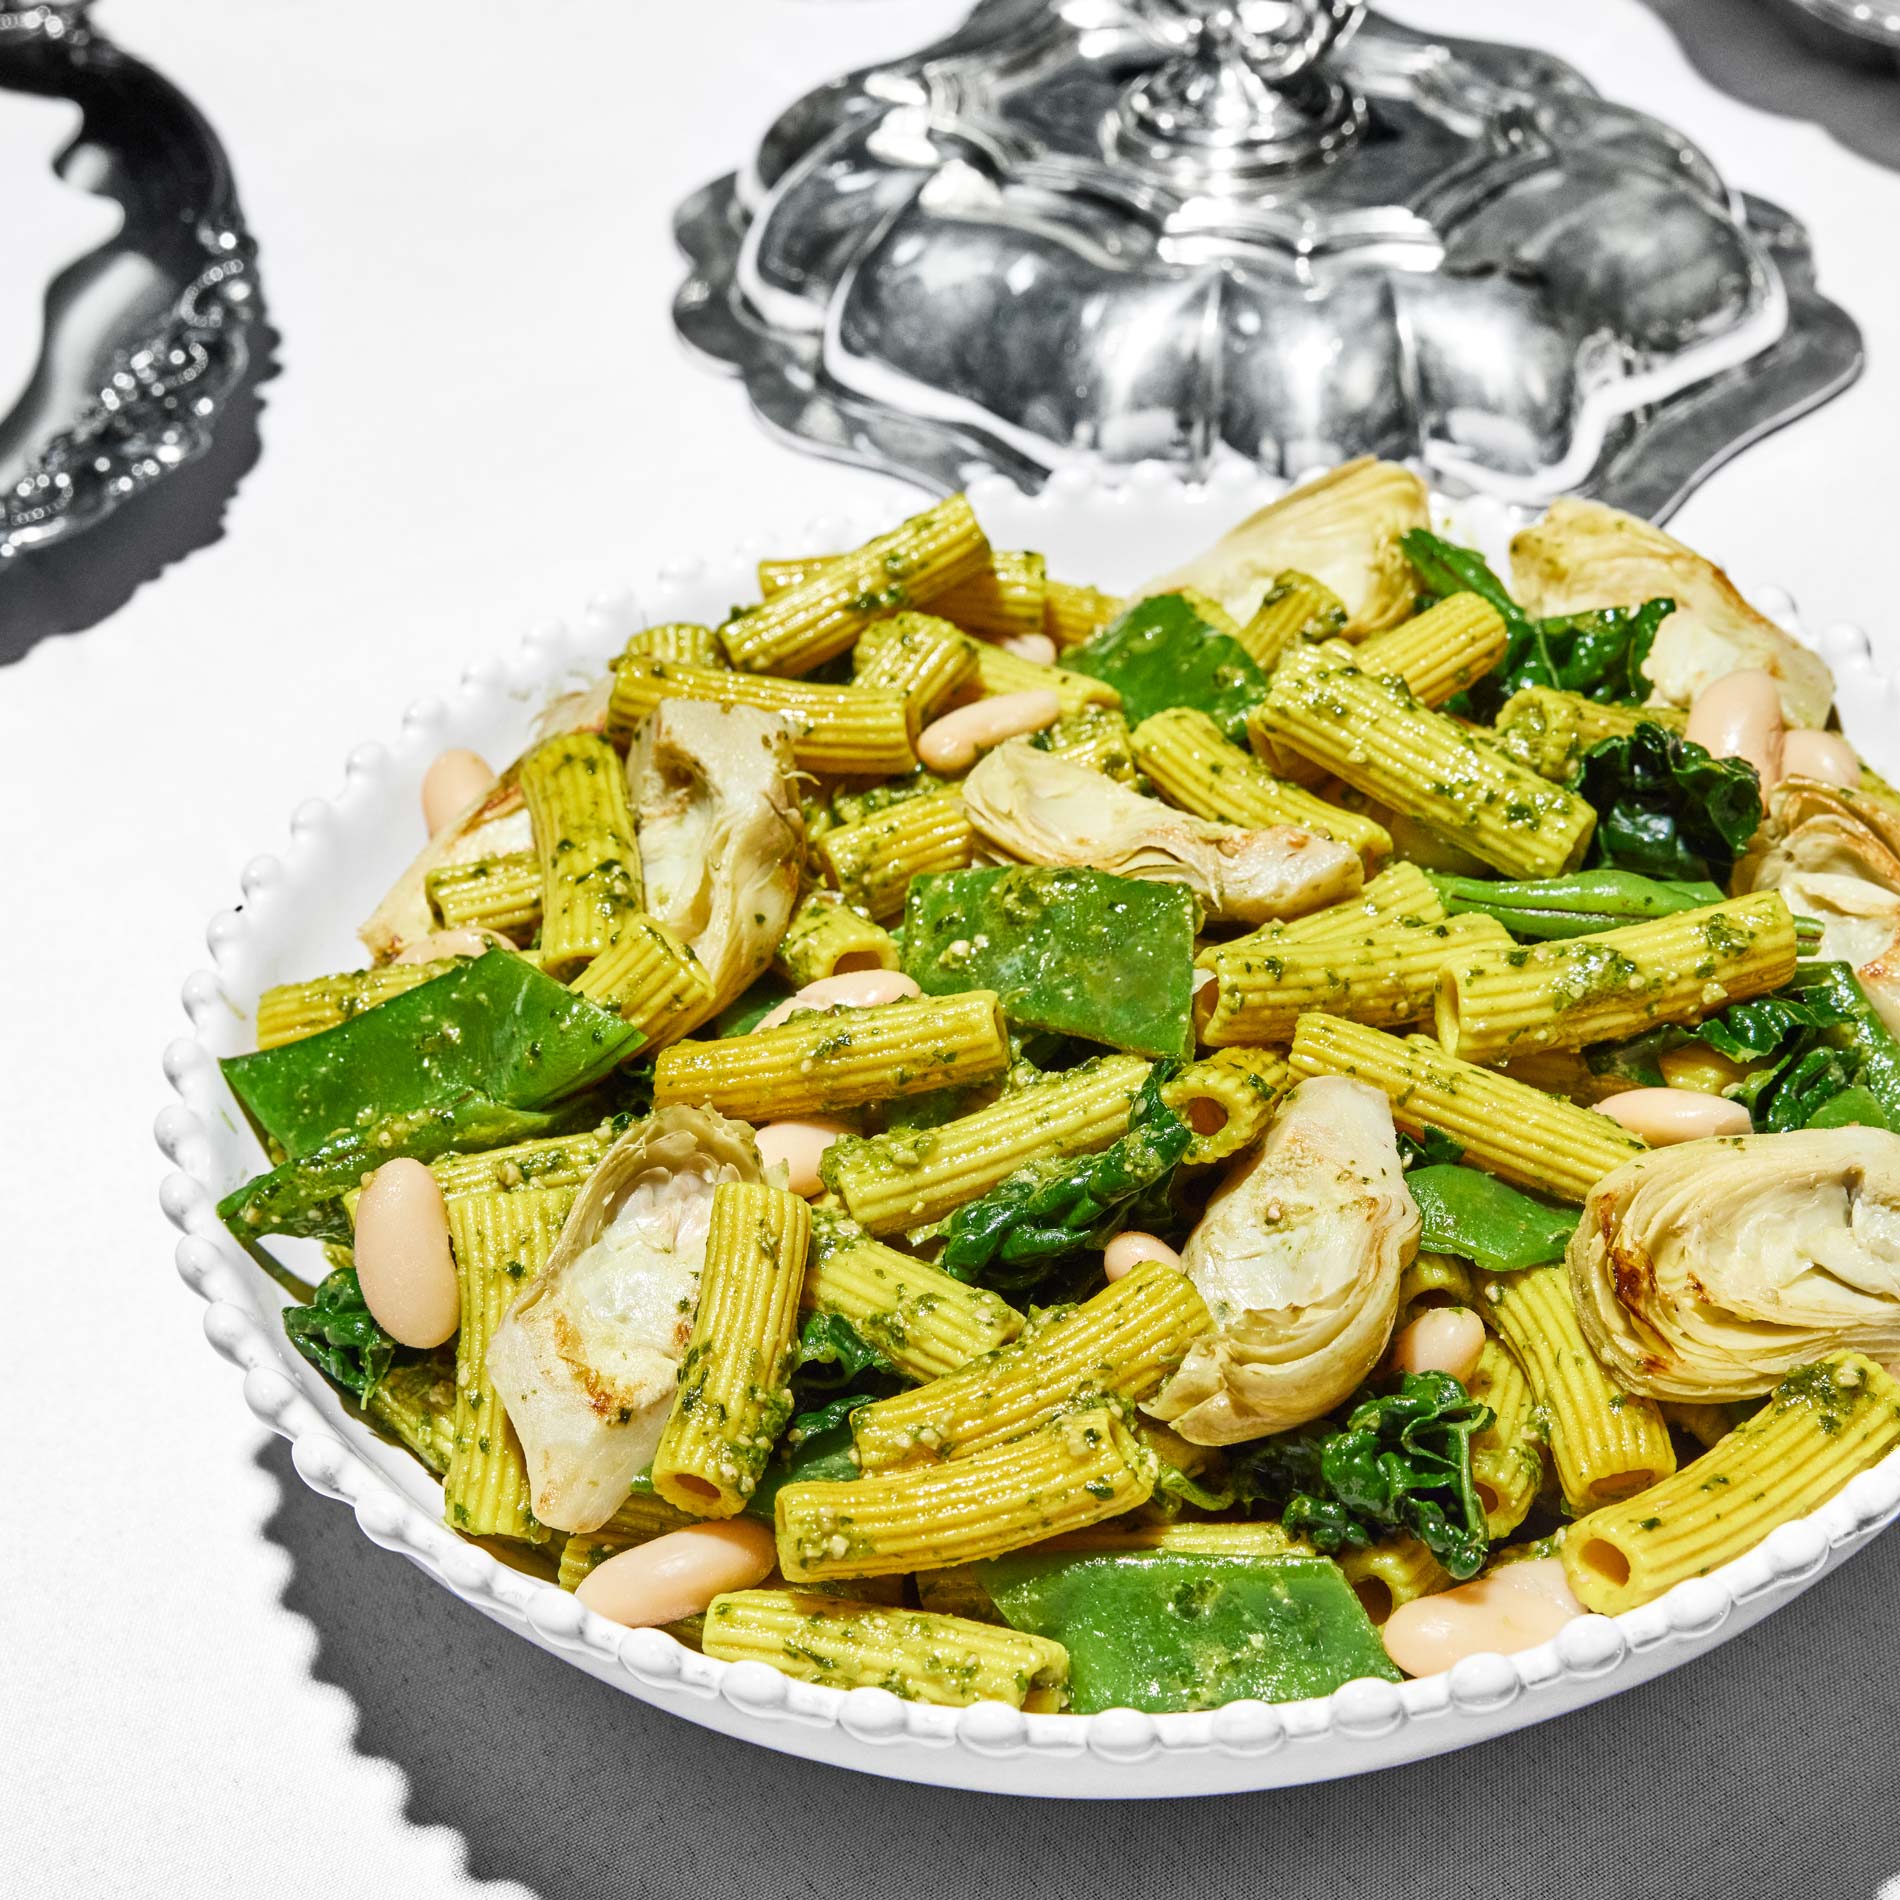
point(924, 1321)
point(924, 658)
point(911, 1177)
point(651, 978)
point(1113, 1350)
point(1096, 737)
point(823, 1060)
point(1000, 671)
point(1376, 735)
point(841, 730)
point(1549, 730)
point(735, 1381)
point(1071, 614)
point(576, 788)
point(415, 1405)
point(1605, 1443)
point(1820, 1427)
point(1402, 893)
point(1227, 1099)
point(1392, 1572)
point(1007, 597)
point(550, 1161)
point(501, 894)
point(1507, 1457)
point(501, 1241)
point(1434, 1279)
point(1506, 1127)
point(1083, 1467)
point(1497, 1000)
point(1443, 650)
point(919, 1656)
point(1193, 766)
point(826, 937)
point(873, 861)
point(1388, 977)
point(1296, 607)
point(288, 1012)
point(818, 617)
point(678, 640)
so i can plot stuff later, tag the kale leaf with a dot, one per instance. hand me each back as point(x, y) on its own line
point(1599, 654)
point(832, 1352)
point(337, 1334)
point(1401, 1462)
point(1435, 1149)
point(1666, 808)
point(1010, 1236)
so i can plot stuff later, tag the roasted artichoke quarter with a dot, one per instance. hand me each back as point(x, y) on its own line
point(1706, 1271)
point(1298, 1258)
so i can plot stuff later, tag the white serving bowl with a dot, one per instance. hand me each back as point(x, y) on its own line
point(298, 918)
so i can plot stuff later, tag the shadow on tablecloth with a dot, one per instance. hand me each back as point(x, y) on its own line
point(1749, 50)
point(1764, 1772)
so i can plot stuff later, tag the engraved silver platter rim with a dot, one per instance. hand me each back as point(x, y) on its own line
point(159, 371)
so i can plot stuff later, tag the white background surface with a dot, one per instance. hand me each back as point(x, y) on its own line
point(481, 418)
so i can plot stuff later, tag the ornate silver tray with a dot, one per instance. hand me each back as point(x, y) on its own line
point(147, 338)
point(1196, 231)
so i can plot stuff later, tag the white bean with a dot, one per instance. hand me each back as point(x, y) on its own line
point(1130, 1248)
point(1445, 1339)
point(1665, 1116)
point(1030, 646)
point(451, 784)
point(855, 989)
point(679, 1574)
point(1517, 1606)
point(951, 743)
point(799, 1145)
point(404, 1263)
point(1739, 717)
point(1820, 755)
point(469, 942)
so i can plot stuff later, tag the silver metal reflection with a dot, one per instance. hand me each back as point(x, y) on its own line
point(1070, 231)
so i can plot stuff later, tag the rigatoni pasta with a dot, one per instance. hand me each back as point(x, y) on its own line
point(576, 788)
point(824, 1060)
point(826, 937)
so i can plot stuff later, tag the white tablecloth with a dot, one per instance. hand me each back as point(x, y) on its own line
point(482, 417)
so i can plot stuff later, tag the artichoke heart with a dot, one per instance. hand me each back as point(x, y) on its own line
point(722, 836)
point(1298, 1257)
point(586, 1361)
point(1040, 809)
point(1708, 1270)
point(1345, 529)
point(1581, 556)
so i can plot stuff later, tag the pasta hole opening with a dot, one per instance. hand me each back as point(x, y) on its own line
point(1621, 1484)
point(1487, 1497)
point(1204, 1115)
point(855, 960)
point(1606, 1561)
point(1375, 1598)
point(697, 1486)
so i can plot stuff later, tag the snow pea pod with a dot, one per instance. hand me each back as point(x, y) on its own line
point(1575, 905)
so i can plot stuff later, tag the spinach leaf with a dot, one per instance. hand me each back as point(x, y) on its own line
point(1010, 1236)
point(1400, 1463)
point(832, 1352)
point(337, 1334)
point(1487, 1221)
point(1079, 952)
point(1665, 808)
point(490, 1031)
point(1819, 1054)
point(1163, 653)
point(1171, 1630)
point(1599, 654)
